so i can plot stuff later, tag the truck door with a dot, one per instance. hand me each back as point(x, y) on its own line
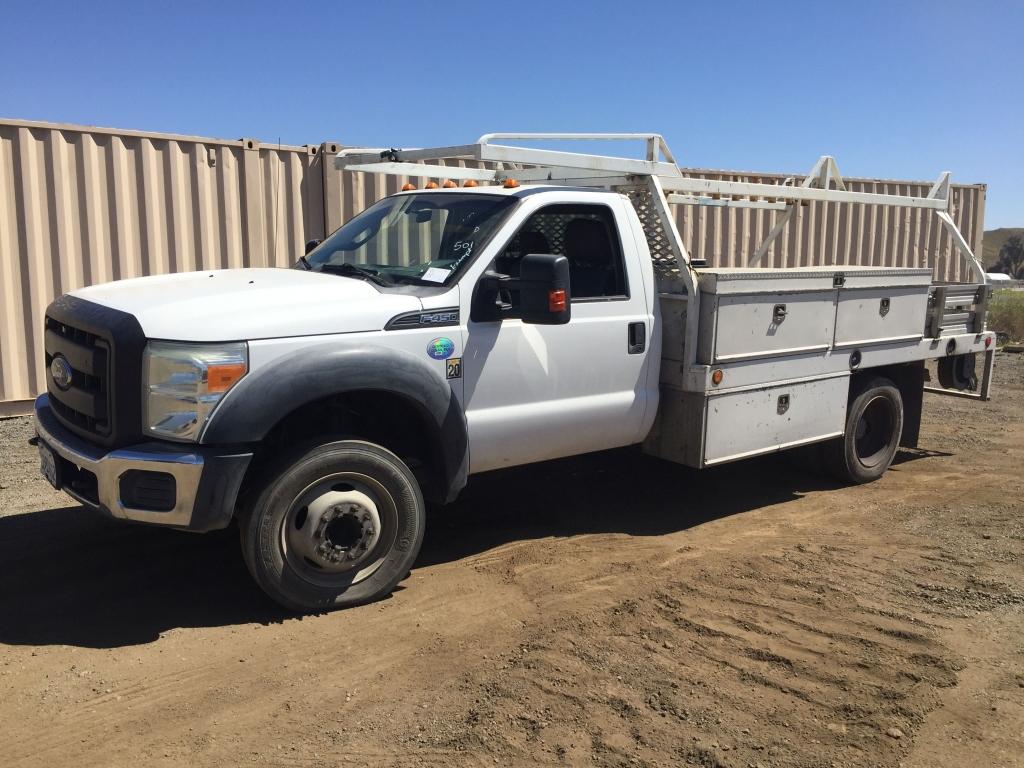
point(536, 392)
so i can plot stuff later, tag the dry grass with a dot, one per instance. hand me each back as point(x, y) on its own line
point(1006, 314)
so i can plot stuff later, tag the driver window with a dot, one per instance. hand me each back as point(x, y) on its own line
point(586, 235)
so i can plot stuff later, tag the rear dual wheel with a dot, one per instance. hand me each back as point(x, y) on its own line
point(340, 525)
point(874, 424)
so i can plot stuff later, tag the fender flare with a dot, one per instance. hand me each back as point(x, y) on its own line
point(266, 395)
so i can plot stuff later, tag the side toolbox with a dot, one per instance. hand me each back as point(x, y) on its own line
point(885, 306)
point(751, 314)
point(753, 421)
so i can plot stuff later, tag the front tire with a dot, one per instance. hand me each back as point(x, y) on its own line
point(340, 525)
point(874, 423)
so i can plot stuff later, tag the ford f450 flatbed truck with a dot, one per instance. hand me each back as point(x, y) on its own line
point(538, 305)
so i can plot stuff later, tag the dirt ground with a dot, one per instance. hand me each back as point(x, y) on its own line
point(610, 610)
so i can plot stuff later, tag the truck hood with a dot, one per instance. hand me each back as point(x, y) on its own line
point(237, 304)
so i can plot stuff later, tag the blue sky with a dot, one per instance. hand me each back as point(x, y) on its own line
point(892, 89)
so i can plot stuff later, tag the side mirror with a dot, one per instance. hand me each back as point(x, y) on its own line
point(540, 295)
point(544, 289)
point(311, 244)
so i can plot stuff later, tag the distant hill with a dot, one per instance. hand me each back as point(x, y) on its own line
point(994, 239)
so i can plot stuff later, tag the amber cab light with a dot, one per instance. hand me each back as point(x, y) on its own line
point(449, 184)
point(556, 300)
point(430, 185)
point(470, 183)
point(408, 186)
point(510, 184)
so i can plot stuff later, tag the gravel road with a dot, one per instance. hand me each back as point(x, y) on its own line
point(609, 610)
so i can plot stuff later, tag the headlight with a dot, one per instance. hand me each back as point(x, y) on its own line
point(184, 382)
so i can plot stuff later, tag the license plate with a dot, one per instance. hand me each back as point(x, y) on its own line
point(48, 465)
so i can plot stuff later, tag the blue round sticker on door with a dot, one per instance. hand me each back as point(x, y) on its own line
point(441, 348)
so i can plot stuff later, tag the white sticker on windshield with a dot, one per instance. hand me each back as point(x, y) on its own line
point(435, 275)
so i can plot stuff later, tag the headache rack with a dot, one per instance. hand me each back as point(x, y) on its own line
point(654, 182)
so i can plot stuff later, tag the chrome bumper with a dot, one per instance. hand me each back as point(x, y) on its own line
point(186, 464)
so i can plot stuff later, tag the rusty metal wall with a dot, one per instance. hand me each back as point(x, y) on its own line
point(82, 205)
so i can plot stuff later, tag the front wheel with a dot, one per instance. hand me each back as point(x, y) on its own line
point(874, 423)
point(339, 525)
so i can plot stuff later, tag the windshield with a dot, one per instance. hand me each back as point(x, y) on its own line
point(421, 239)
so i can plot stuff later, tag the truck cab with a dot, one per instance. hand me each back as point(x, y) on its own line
point(422, 336)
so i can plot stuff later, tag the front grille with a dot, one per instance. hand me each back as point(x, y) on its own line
point(85, 403)
point(103, 347)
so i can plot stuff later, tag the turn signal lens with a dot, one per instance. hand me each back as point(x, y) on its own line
point(556, 300)
point(470, 183)
point(408, 186)
point(449, 184)
point(988, 342)
point(430, 185)
point(510, 184)
point(716, 377)
point(220, 378)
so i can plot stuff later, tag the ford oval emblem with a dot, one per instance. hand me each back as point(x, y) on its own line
point(60, 370)
point(441, 348)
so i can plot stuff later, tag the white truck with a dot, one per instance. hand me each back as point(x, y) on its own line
point(539, 304)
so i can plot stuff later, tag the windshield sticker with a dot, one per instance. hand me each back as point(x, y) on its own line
point(441, 348)
point(435, 275)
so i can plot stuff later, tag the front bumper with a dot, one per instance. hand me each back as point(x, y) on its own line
point(205, 485)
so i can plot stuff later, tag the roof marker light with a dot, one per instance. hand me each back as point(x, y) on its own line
point(470, 183)
point(430, 185)
point(449, 184)
point(510, 184)
point(407, 186)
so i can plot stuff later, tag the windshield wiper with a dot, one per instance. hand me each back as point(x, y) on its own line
point(354, 270)
point(412, 279)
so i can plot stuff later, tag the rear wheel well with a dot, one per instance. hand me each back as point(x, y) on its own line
point(384, 418)
point(909, 380)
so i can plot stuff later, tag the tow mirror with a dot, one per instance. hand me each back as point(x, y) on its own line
point(544, 289)
point(540, 295)
point(311, 244)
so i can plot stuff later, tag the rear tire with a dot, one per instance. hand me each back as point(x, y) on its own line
point(874, 423)
point(340, 525)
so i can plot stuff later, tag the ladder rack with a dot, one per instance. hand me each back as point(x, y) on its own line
point(657, 170)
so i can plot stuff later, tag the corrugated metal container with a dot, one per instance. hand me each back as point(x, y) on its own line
point(86, 205)
point(82, 205)
point(848, 233)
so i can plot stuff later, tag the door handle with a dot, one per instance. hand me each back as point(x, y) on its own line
point(637, 341)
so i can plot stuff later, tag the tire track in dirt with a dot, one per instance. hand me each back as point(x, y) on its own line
point(741, 616)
